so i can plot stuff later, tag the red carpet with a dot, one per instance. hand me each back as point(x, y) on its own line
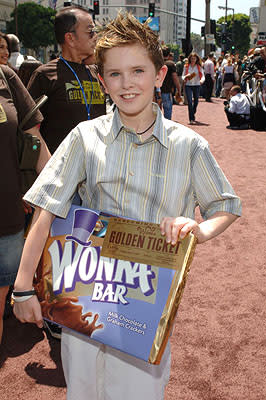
point(219, 341)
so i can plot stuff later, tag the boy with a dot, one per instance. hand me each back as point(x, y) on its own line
point(238, 110)
point(133, 163)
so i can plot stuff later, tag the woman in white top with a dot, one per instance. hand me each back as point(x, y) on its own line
point(193, 77)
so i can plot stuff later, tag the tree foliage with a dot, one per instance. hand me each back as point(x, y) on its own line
point(35, 25)
point(238, 32)
point(174, 48)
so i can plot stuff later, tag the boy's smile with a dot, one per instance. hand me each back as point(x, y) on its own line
point(130, 77)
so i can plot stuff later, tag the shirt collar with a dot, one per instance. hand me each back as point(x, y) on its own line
point(160, 131)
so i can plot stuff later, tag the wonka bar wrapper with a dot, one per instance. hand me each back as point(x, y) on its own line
point(113, 279)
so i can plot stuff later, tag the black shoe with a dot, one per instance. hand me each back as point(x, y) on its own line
point(232, 127)
point(52, 329)
point(244, 127)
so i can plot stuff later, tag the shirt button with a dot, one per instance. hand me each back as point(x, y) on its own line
point(131, 173)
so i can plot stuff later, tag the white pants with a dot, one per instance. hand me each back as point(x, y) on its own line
point(94, 371)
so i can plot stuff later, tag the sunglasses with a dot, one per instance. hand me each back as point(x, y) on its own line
point(91, 32)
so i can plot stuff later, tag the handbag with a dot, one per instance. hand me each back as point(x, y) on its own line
point(28, 146)
point(178, 98)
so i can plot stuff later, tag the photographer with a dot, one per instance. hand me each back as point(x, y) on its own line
point(257, 65)
point(237, 110)
point(260, 62)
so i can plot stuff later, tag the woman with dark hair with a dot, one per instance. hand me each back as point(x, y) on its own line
point(4, 49)
point(193, 77)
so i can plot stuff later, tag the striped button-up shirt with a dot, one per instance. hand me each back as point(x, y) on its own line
point(116, 171)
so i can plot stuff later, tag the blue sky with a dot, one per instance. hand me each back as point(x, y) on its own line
point(198, 10)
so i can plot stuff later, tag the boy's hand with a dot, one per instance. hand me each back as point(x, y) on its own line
point(175, 229)
point(29, 311)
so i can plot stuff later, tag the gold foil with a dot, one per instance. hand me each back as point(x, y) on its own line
point(178, 284)
point(141, 242)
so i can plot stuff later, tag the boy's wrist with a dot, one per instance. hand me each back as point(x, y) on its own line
point(201, 234)
point(23, 286)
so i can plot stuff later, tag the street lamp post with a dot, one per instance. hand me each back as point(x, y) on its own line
point(188, 24)
point(207, 26)
point(16, 16)
point(227, 8)
point(225, 26)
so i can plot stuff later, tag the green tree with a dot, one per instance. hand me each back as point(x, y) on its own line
point(35, 25)
point(174, 48)
point(197, 42)
point(238, 31)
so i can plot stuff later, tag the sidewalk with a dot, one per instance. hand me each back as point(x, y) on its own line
point(218, 343)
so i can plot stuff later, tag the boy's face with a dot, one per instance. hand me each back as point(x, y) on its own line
point(130, 77)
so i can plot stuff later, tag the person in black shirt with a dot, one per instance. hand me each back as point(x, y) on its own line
point(171, 81)
point(73, 90)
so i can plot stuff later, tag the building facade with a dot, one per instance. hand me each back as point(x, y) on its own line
point(172, 28)
point(179, 31)
point(262, 24)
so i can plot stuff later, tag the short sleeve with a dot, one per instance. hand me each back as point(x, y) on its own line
point(56, 185)
point(212, 190)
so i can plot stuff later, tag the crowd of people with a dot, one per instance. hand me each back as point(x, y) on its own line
point(125, 62)
point(194, 77)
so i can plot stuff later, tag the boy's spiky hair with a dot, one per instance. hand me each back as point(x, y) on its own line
point(126, 30)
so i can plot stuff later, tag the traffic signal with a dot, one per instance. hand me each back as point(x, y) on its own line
point(203, 30)
point(224, 38)
point(151, 9)
point(96, 7)
point(213, 26)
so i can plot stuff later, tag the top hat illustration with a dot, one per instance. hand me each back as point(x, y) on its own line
point(83, 225)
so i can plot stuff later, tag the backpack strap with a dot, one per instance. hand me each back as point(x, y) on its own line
point(200, 73)
point(39, 102)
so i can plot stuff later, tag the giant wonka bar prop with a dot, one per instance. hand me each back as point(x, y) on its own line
point(113, 279)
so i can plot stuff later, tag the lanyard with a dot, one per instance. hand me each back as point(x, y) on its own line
point(88, 107)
